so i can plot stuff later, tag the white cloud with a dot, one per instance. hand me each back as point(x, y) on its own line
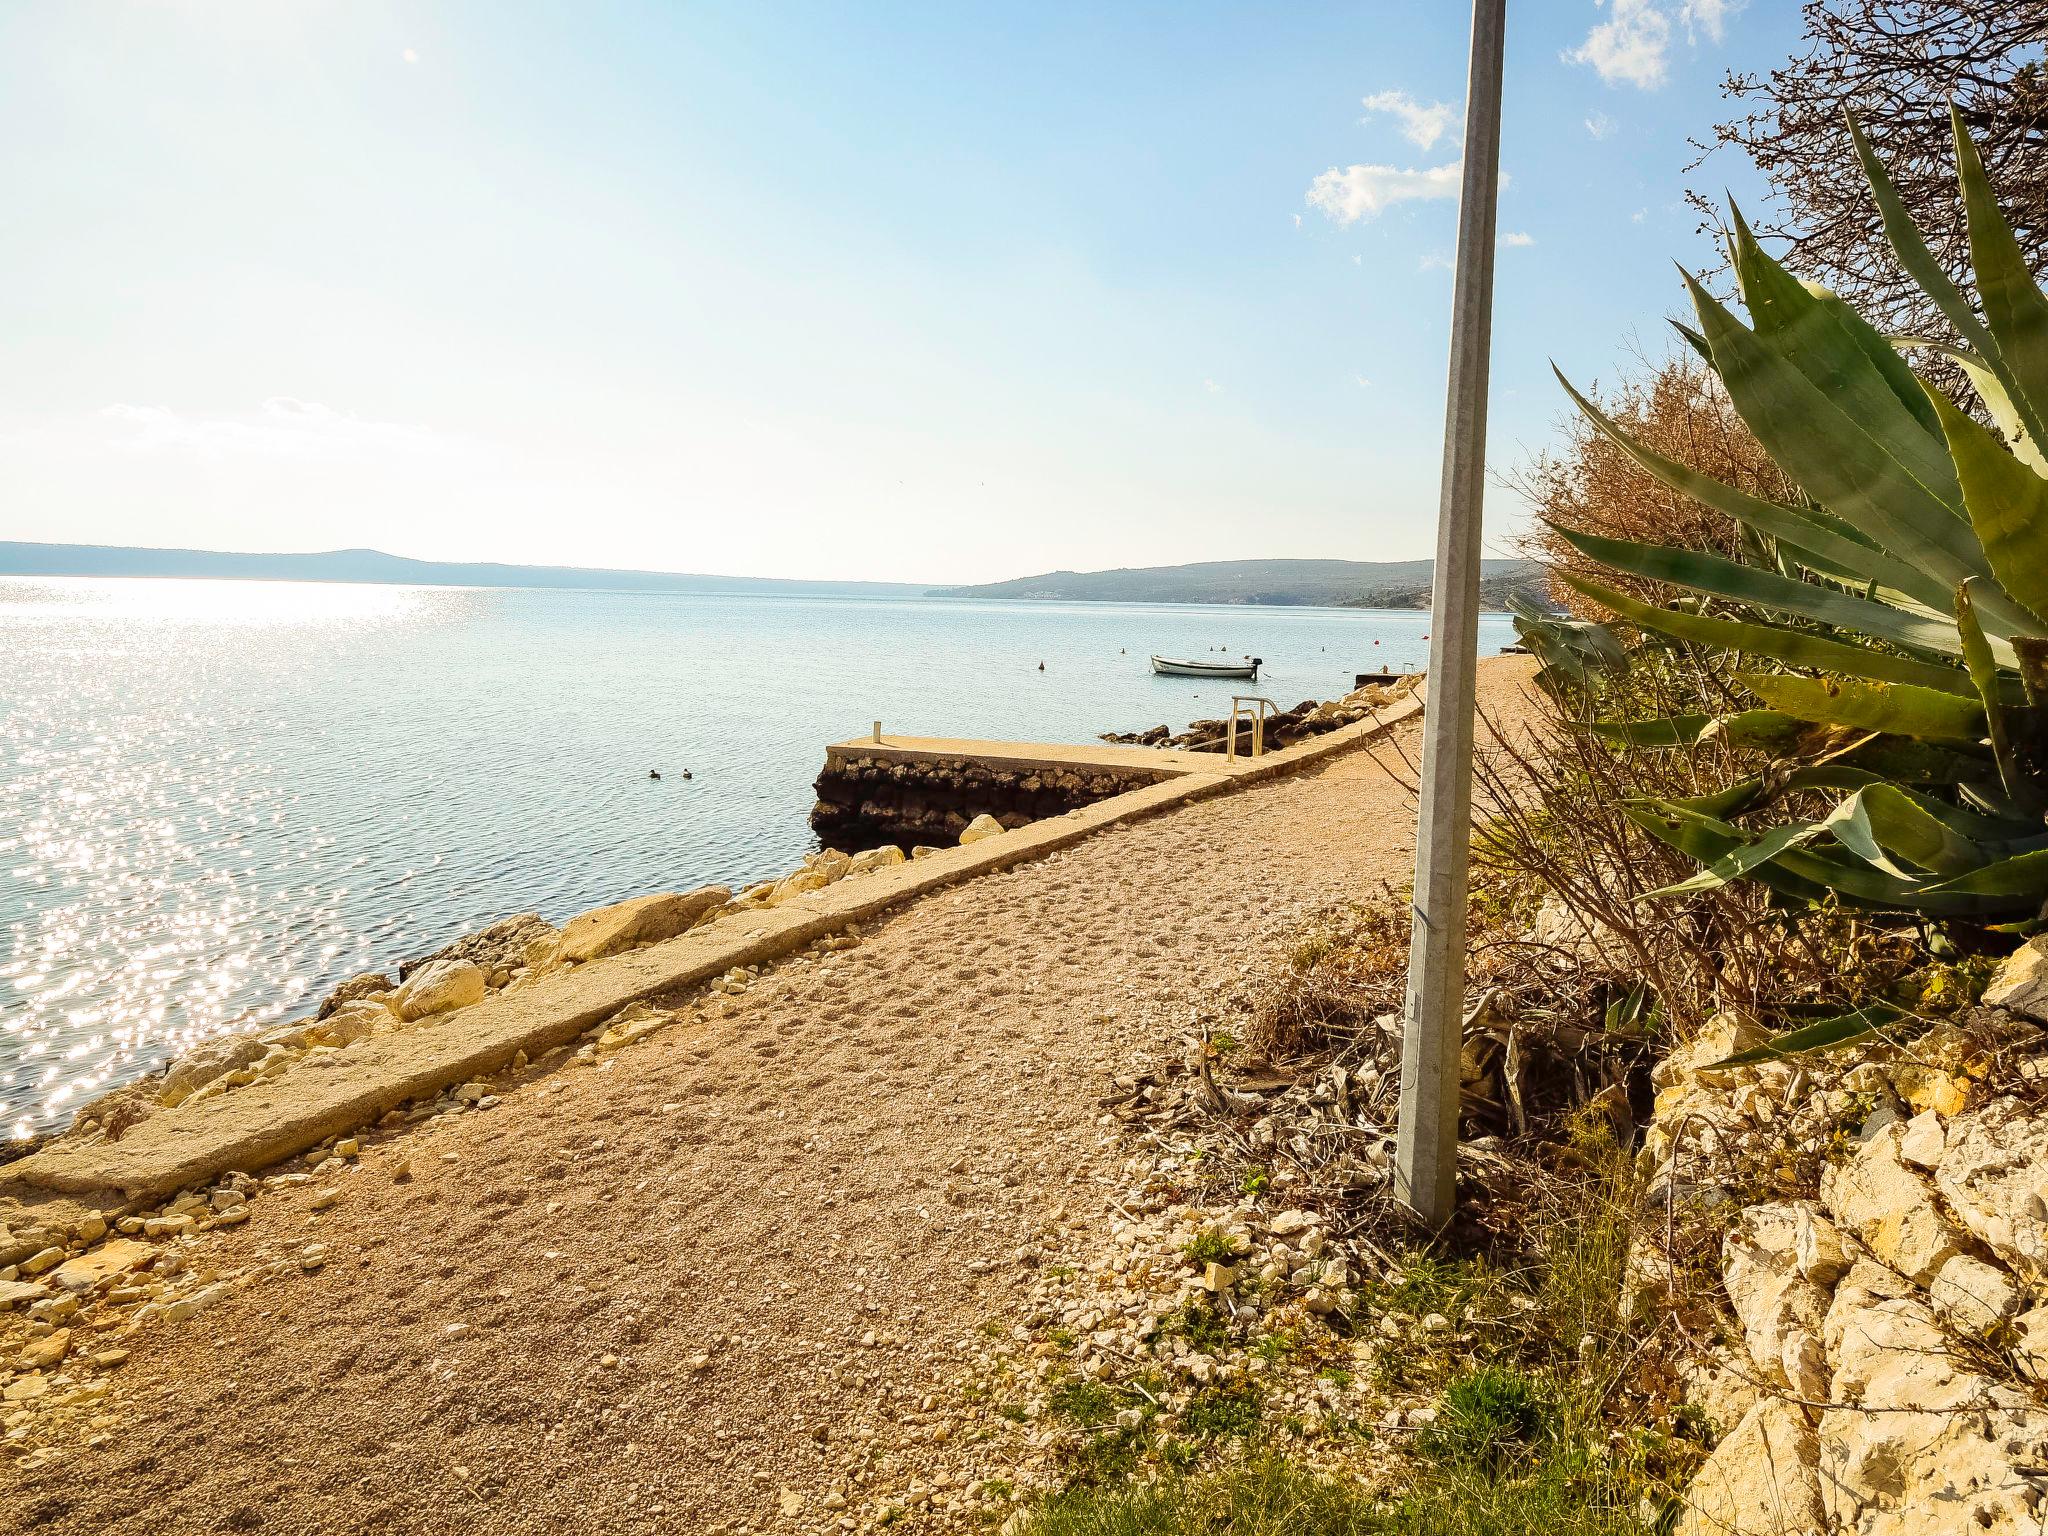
point(1421, 125)
point(1212, 386)
point(1709, 16)
point(1363, 381)
point(1363, 191)
point(1297, 221)
point(1517, 237)
point(1629, 47)
point(1638, 216)
point(410, 55)
point(1632, 47)
point(1600, 125)
point(283, 427)
point(1434, 261)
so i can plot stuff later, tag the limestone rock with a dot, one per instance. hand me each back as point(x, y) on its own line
point(1974, 1296)
point(1779, 1308)
point(105, 1263)
point(499, 947)
point(877, 858)
point(205, 1063)
point(45, 1353)
point(441, 988)
point(1762, 1480)
point(352, 1022)
point(1817, 1247)
point(1888, 1207)
point(643, 920)
point(19, 1293)
point(1923, 1139)
point(356, 988)
point(1994, 1175)
point(2022, 981)
point(982, 826)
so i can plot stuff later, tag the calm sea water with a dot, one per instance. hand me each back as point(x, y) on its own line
point(219, 798)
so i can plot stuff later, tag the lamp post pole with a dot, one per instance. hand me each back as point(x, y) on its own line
point(1426, 1156)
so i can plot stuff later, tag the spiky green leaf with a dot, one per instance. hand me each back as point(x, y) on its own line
point(1898, 709)
point(2008, 506)
point(1822, 1035)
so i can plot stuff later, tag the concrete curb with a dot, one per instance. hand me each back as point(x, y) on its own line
point(265, 1123)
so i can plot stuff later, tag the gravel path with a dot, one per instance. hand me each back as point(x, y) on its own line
point(721, 1283)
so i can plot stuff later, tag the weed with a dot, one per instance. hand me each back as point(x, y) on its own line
point(1209, 1246)
point(1220, 1414)
point(1487, 1417)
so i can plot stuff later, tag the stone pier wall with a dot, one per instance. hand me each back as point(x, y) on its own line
point(865, 800)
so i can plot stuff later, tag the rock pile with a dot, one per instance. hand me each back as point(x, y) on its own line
point(1891, 1301)
point(1307, 719)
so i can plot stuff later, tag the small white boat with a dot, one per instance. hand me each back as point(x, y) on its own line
point(1167, 667)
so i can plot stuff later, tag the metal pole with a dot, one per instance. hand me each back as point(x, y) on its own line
point(1426, 1157)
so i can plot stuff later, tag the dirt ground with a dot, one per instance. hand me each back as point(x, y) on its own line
point(703, 1287)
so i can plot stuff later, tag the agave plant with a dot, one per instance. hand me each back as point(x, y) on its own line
point(1897, 617)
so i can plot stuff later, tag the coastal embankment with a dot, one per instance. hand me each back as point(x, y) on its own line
point(737, 1219)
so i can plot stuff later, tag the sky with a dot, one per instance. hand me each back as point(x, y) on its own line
point(931, 292)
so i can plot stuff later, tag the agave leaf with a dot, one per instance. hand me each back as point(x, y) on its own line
point(1672, 731)
point(2024, 876)
point(1898, 709)
point(1695, 339)
point(1705, 838)
point(1821, 1035)
point(1820, 444)
point(1796, 647)
point(1918, 261)
point(1880, 820)
point(1767, 589)
point(1859, 884)
point(2014, 310)
point(1846, 359)
point(2008, 506)
point(1984, 673)
point(1744, 860)
point(1787, 524)
point(1991, 390)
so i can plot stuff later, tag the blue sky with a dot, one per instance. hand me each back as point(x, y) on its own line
point(859, 290)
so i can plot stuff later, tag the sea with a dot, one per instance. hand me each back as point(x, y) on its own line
point(219, 798)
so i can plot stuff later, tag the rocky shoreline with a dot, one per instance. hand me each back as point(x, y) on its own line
point(1304, 721)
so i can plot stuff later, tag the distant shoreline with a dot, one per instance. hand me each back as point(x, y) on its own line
point(1389, 586)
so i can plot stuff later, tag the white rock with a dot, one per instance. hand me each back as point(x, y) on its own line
point(1817, 1247)
point(1762, 1480)
point(1974, 1296)
point(440, 988)
point(1994, 1175)
point(1886, 1204)
point(1923, 1139)
point(982, 826)
point(2022, 981)
point(1779, 1308)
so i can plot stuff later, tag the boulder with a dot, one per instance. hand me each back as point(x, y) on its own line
point(1779, 1308)
point(1974, 1297)
point(1922, 1141)
point(369, 984)
point(643, 920)
point(876, 858)
point(1817, 1247)
point(1994, 1175)
point(204, 1063)
point(2022, 981)
point(442, 987)
point(1762, 1480)
point(353, 1022)
point(982, 826)
point(1888, 1207)
point(500, 947)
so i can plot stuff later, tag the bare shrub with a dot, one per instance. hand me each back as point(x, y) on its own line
point(1677, 407)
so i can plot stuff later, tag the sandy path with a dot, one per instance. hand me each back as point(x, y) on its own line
point(681, 1293)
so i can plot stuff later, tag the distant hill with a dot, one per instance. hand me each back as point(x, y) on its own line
point(1290, 583)
point(373, 565)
